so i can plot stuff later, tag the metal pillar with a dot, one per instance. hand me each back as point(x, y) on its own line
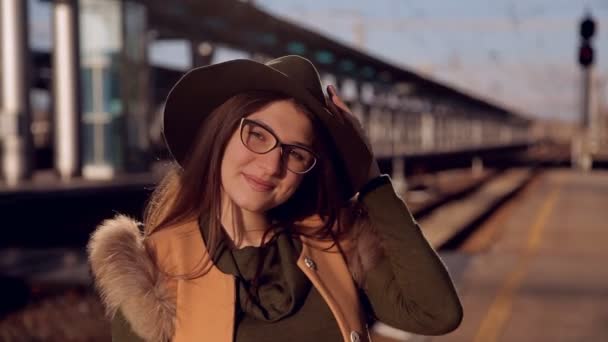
point(201, 52)
point(398, 175)
point(136, 90)
point(477, 167)
point(66, 88)
point(477, 133)
point(15, 114)
point(582, 143)
point(427, 130)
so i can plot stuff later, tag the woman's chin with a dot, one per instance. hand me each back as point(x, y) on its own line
point(250, 203)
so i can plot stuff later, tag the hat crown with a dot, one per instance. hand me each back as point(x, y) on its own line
point(300, 70)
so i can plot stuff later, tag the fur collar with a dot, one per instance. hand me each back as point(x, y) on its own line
point(128, 279)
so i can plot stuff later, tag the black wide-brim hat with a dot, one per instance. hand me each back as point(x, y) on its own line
point(203, 89)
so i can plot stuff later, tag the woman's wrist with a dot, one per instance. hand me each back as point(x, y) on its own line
point(374, 170)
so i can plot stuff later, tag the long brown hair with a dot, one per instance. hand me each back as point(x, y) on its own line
point(186, 193)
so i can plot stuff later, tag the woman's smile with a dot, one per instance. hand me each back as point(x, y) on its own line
point(258, 184)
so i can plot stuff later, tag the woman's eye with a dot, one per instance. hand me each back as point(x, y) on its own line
point(296, 155)
point(257, 135)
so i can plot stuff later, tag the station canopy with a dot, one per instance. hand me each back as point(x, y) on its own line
point(247, 27)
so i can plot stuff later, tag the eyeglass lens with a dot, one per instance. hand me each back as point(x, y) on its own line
point(259, 140)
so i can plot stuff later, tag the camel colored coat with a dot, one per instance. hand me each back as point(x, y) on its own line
point(158, 307)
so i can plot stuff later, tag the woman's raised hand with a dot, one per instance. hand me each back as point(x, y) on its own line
point(338, 107)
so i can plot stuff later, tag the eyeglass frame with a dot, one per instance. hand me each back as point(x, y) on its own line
point(278, 143)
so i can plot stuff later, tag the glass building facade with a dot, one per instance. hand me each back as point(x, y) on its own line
point(114, 87)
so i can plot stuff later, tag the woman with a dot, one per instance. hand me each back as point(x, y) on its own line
point(274, 224)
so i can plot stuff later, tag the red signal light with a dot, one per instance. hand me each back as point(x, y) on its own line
point(585, 55)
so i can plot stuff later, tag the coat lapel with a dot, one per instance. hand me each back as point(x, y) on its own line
point(328, 272)
point(204, 304)
point(205, 308)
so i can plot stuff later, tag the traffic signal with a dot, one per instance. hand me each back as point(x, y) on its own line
point(585, 54)
point(587, 28)
point(585, 51)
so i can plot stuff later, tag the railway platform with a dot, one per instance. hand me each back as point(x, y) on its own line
point(536, 269)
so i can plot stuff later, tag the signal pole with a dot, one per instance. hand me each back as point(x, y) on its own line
point(584, 144)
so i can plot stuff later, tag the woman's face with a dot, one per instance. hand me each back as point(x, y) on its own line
point(259, 182)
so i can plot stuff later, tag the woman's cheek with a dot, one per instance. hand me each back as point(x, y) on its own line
point(291, 189)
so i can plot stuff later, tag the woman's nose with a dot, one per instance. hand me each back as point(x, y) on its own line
point(272, 161)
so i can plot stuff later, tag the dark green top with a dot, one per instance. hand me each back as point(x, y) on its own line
point(284, 297)
point(409, 289)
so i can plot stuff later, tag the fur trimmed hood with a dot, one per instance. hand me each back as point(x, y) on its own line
point(127, 277)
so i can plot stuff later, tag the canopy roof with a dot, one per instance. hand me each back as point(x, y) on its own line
point(247, 27)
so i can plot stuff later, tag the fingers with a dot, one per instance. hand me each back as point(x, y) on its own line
point(336, 99)
point(342, 109)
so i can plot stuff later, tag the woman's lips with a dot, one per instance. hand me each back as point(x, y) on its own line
point(257, 184)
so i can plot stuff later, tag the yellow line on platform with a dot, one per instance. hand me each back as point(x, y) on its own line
point(500, 310)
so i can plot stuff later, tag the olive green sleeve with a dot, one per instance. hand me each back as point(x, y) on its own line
point(410, 289)
point(121, 330)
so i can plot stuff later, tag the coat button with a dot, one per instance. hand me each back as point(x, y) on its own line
point(354, 336)
point(310, 263)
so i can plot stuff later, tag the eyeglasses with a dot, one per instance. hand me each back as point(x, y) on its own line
point(261, 140)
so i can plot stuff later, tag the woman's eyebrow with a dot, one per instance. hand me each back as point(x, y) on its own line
point(296, 143)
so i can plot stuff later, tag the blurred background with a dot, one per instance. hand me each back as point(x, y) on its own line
point(490, 117)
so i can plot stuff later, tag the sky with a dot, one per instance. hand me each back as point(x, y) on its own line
point(517, 53)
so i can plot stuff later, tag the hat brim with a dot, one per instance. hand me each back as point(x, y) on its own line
point(203, 89)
